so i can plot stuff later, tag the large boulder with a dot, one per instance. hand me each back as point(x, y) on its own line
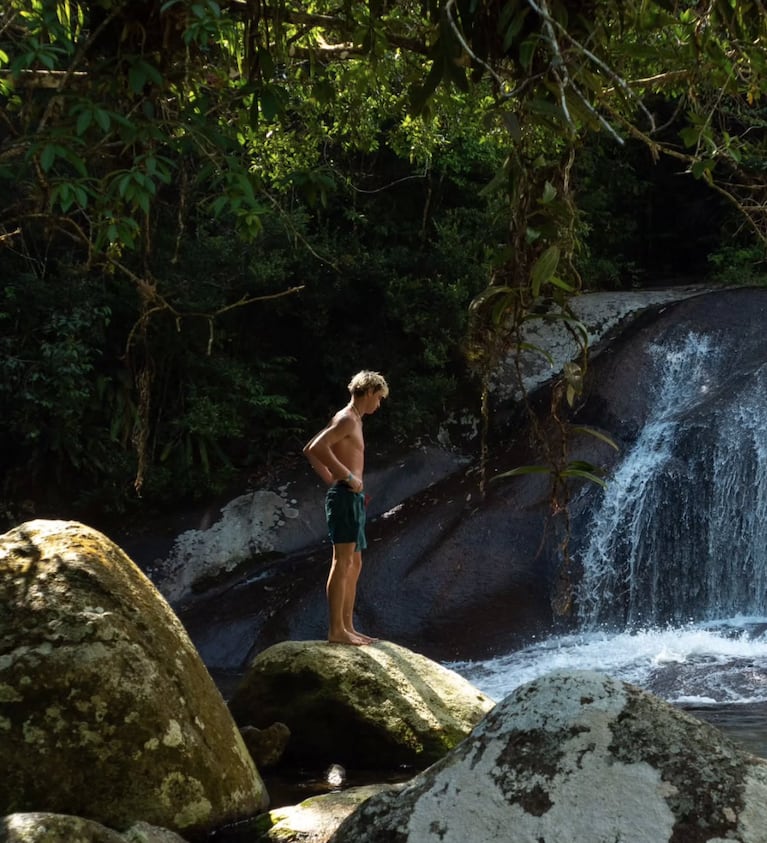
point(577, 758)
point(365, 707)
point(106, 709)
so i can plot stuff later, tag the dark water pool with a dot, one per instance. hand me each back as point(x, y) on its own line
point(745, 723)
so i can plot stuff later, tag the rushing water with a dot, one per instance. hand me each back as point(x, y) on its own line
point(673, 559)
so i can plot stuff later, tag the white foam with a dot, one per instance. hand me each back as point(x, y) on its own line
point(721, 661)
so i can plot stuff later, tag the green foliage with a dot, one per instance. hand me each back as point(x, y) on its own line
point(173, 173)
point(613, 214)
point(740, 264)
point(52, 378)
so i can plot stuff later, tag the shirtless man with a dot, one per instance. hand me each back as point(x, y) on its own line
point(337, 454)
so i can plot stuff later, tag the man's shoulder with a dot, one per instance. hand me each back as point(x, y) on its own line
point(345, 414)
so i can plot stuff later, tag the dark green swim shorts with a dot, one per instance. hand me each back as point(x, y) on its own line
point(345, 512)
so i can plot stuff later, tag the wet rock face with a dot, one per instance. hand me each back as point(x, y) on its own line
point(365, 707)
point(270, 523)
point(106, 709)
point(577, 758)
point(623, 377)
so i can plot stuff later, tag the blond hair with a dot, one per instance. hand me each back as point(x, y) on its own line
point(365, 380)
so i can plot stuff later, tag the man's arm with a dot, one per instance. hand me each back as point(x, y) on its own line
point(319, 451)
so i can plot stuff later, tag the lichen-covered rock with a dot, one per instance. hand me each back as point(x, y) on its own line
point(106, 709)
point(62, 828)
point(577, 758)
point(374, 706)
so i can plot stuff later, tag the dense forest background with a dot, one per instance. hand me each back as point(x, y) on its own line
point(213, 213)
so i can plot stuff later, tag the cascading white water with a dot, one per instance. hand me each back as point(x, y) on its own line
point(673, 595)
point(680, 533)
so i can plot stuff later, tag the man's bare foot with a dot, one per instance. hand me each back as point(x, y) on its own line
point(367, 638)
point(348, 638)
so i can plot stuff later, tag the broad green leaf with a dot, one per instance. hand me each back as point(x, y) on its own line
point(84, 120)
point(102, 118)
point(544, 268)
point(48, 156)
point(532, 235)
point(563, 285)
point(61, 195)
point(137, 77)
point(124, 185)
point(549, 193)
point(514, 28)
point(218, 205)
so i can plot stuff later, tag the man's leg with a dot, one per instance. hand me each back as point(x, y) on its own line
point(351, 597)
point(341, 592)
point(350, 592)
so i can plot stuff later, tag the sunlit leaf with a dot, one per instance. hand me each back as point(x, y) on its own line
point(597, 434)
point(523, 470)
point(584, 475)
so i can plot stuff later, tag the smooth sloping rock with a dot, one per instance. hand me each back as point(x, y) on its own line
point(577, 758)
point(314, 820)
point(106, 709)
point(277, 521)
point(366, 707)
point(62, 828)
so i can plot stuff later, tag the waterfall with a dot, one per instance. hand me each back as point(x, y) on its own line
point(680, 532)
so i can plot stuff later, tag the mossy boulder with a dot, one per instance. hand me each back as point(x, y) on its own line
point(62, 828)
point(106, 709)
point(577, 757)
point(364, 707)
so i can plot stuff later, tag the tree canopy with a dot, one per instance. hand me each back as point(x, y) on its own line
point(199, 195)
